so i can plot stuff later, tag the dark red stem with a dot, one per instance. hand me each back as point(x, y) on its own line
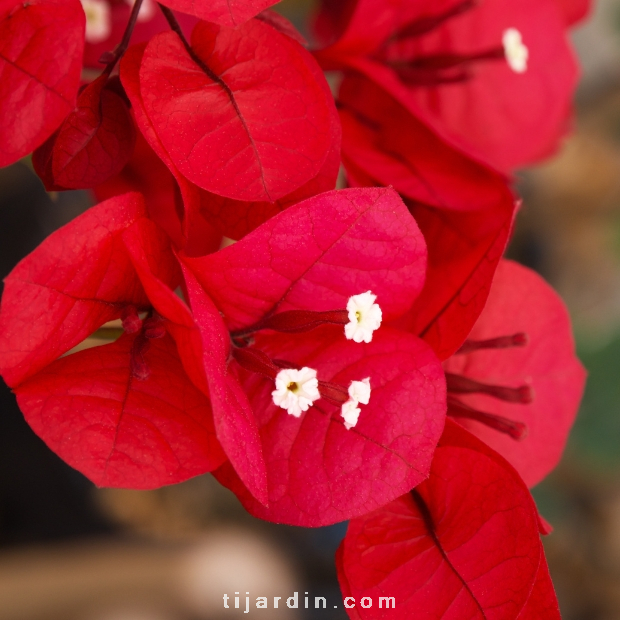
point(516, 430)
point(333, 393)
point(503, 342)
point(255, 360)
point(111, 58)
point(458, 384)
point(296, 321)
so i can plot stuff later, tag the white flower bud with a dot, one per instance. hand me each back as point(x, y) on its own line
point(359, 392)
point(351, 413)
point(364, 317)
point(516, 53)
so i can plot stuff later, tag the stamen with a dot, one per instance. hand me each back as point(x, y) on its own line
point(296, 390)
point(463, 385)
point(516, 430)
point(503, 342)
point(516, 53)
point(364, 317)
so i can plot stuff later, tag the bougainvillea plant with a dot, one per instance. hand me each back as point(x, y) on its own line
point(306, 277)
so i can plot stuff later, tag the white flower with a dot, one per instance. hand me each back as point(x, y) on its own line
point(98, 20)
point(516, 53)
point(359, 392)
point(364, 317)
point(296, 390)
point(350, 413)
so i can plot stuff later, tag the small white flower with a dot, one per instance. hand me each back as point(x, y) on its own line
point(364, 317)
point(360, 390)
point(516, 53)
point(351, 413)
point(296, 390)
point(98, 20)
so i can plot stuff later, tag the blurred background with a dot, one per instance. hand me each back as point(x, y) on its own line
point(69, 551)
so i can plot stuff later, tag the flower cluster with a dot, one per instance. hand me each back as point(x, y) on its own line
point(361, 353)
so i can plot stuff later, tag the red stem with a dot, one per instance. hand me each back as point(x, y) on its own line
point(111, 58)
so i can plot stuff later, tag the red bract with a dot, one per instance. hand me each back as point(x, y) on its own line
point(41, 45)
point(293, 264)
point(79, 278)
point(463, 544)
point(464, 209)
point(530, 377)
point(574, 11)
point(119, 429)
point(241, 114)
point(223, 12)
point(124, 414)
point(318, 471)
point(309, 260)
point(317, 254)
point(204, 346)
point(233, 218)
point(184, 209)
point(93, 144)
point(502, 98)
point(237, 218)
point(147, 174)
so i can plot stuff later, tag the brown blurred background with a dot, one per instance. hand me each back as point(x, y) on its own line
point(69, 551)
